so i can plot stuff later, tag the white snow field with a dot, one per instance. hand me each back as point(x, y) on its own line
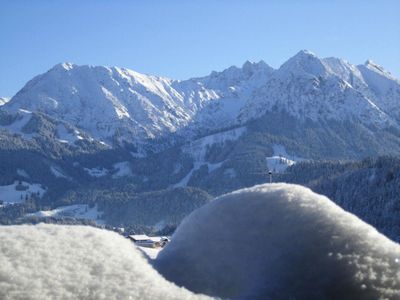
point(280, 241)
point(280, 161)
point(77, 211)
point(77, 262)
point(11, 193)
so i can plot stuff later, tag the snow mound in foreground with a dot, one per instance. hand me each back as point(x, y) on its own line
point(280, 241)
point(77, 262)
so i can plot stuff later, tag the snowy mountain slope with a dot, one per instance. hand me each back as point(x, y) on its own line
point(199, 151)
point(103, 100)
point(199, 147)
point(308, 87)
point(117, 106)
point(17, 122)
point(383, 86)
point(36, 129)
point(116, 102)
point(235, 86)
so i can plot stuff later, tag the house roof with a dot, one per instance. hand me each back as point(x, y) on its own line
point(143, 237)
point(139, 237)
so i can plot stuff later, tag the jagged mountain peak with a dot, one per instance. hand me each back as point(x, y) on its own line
point(234, 76)
point(256, 65)
point(306, 52)
point(309, 87)
point(4, 100)
point(376, 68)
point(304, 63)
point(371, 64)
point(250, 68)
point(64, 66)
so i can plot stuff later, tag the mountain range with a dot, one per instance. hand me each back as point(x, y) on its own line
point(86, 133)
point(116, 105)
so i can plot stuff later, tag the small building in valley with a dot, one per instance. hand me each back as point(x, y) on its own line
point(143, 240)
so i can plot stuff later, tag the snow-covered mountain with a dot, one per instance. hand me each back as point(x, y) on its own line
point(104, 101)
point(308, 87)
point(119, 103)
point(114, 104)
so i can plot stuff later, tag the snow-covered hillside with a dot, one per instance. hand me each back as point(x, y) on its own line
point(19, 121)
point(198, 150)
point(35, 125)
point(76, 211)
point(280, 160)
point(18, 192)
point(280, 241)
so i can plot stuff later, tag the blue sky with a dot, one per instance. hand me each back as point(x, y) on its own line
point(182, 39)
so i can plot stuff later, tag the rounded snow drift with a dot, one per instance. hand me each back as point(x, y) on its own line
point(77, 262)
point(280, 241)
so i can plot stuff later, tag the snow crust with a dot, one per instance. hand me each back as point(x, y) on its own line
point(76, 262)
point(280, 241)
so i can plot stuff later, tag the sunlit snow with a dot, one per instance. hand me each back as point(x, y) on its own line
point(280, 241)
point(280, 160)
point(77, 262)
point(76, 211)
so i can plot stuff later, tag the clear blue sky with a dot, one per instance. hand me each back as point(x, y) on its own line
point(182, 39)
